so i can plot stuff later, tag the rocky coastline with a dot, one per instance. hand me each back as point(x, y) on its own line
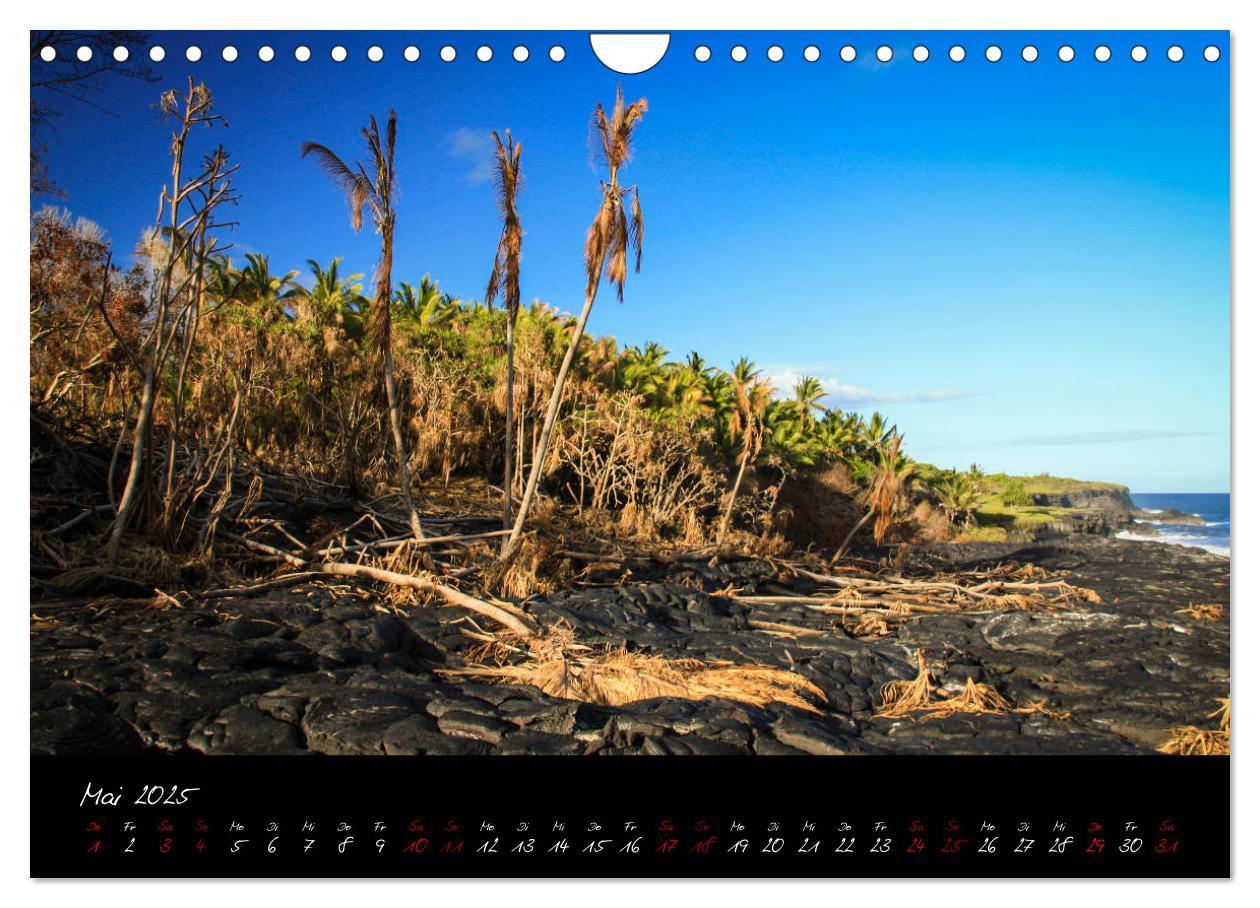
point(335, 670)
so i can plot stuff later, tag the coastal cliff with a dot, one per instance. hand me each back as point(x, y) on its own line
point(1039, 508)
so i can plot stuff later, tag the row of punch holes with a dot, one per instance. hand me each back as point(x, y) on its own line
point(703, 53)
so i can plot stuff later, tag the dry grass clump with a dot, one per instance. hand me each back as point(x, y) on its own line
point(1202, 611)
point(558, 665)
point(1188, 741)
point(920, 699)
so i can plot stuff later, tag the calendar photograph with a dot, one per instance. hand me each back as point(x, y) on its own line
point(832, 400)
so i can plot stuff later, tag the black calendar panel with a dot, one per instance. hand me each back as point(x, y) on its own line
point(566, 817)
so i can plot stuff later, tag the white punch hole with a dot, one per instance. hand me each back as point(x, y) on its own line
point(157, 53)
point(338, 54)
point(1175, 54)
point(812, 54)
point(375, 53)
point(993, 53)
point(121, 54)
point(884, 53)
point(629, 54)
point(556, 53)
point(739, 53)
point(774, 53)
point(484, 53)
point(266, 53)
point(1066, 53)
point(411, 53)
point(1030, 54)
point(229, 54)
point(1102, 53)
point(1138, 53)
point(1211, 53)
point(848, 53)
point(301, 53)
point(958, 53)
point(921, 54)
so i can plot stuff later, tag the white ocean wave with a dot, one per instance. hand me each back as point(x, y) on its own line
point(1181, 539)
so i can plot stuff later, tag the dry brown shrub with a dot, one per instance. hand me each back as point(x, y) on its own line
point(929, 524)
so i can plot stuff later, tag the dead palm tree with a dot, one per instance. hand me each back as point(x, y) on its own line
point(609, 241)
point(505, 279)
point(376, 192)
point(883, 493)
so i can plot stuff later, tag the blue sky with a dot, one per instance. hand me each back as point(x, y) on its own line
point(1025, 265)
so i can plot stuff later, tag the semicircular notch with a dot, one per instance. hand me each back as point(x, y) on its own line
point(629, 53)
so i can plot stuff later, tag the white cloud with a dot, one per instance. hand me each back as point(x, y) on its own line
point(844, 394)
point(474, 149)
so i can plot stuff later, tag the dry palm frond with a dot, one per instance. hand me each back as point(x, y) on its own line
point(918, 698)
point(869, 626)
point(612, 234)
point(1187, 740)
point(902, 697)
point(505, 275)
point(1018, 602)
point(1039, 706)
point(1202, 611)
point(557, 665)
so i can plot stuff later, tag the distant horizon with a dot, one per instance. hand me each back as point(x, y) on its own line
point(1056, 276)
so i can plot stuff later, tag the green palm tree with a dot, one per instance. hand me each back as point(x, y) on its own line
point(376, 190)
point(335, 299)
point(264, 298)
point(746, 426)
point(505, 279)
point(419, 309)
point(807, 395)
point(612, 236)
point(958, 497)
point(643, 371)
point(837, 434)
point(787, 449)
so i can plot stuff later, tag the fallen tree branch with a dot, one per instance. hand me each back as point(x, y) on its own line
point(511, 617)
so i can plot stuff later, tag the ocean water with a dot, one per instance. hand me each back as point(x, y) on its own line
point(1212, 507)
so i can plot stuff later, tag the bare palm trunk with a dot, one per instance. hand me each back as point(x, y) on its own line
point(511, 420)
point(730, 505)
point(513, 543)
point(381, 313)
point(139, 444)
point(849, 538)
point(400, 447)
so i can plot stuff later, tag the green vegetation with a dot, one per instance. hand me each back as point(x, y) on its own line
point(196, 372)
